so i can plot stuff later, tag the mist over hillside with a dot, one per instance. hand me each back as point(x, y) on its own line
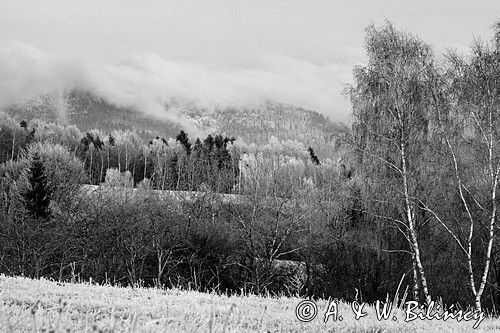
point(253, 125)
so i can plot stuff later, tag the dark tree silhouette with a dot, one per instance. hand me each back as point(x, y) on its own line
point(111, 140)
point(197, 145)
point(314, 158)
point(98, 143)
point(208, 143)
point(182, 137)
point(37, 197)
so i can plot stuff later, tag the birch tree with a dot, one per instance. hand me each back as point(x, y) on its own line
point(390, 108)
point(467, 100)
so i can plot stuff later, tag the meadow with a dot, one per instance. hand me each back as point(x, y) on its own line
point(28, 305)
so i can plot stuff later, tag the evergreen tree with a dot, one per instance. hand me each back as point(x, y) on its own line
point(182, 137)
point(208, 143)
point(37, 197)
point(314, 158)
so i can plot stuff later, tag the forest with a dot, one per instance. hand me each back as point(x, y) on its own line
point(407, 203)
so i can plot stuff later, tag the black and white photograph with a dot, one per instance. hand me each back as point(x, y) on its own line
point(249, 166)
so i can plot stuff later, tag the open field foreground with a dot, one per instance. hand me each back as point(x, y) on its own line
point(41, 305)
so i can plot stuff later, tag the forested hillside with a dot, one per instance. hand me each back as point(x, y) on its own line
point(252, 125)
point(89, 113)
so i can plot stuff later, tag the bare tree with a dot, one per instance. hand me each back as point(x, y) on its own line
point(466, 99)
point(391, 105)
point(268, 228)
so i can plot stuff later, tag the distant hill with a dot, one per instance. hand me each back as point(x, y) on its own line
point(256, 125)
point(87, 112)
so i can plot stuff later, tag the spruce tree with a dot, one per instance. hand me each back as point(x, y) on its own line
point(37, 197)
point(182, 137)
point(313, 156)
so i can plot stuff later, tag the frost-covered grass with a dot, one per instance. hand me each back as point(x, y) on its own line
point(40, 305)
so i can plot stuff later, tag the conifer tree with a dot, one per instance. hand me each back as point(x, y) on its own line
point(314, 158)
point(37, 197)
point(182, 137)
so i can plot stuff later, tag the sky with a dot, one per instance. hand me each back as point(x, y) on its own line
point(146, 53)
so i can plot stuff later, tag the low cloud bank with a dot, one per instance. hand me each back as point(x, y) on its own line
point(159, 87)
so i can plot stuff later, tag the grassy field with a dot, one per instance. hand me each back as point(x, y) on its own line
point(43, 306)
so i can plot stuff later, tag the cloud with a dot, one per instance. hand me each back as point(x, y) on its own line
point(26, 72)
point(160, 87)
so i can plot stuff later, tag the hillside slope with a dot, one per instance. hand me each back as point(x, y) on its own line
point(253, 125)
point(88, 113)
point(34, 305)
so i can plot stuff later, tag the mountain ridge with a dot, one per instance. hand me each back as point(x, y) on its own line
point(253, 125)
